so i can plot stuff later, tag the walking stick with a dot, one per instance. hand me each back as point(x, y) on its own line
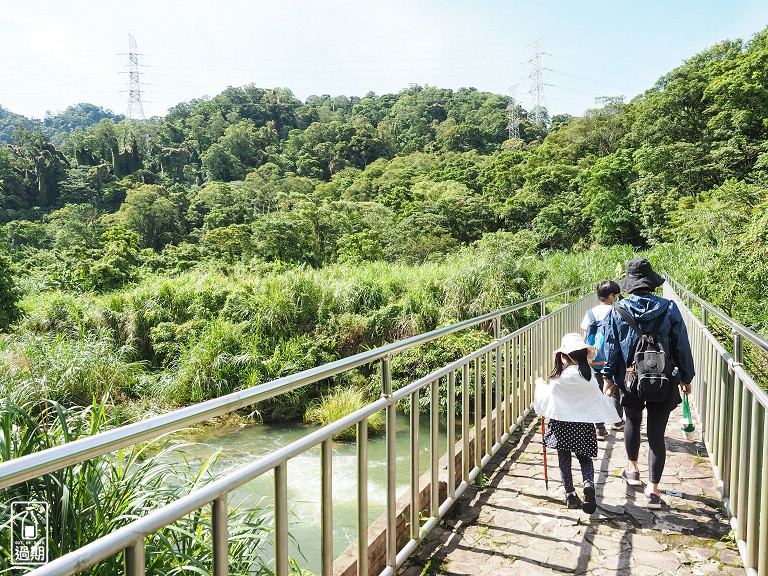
point(544, 452)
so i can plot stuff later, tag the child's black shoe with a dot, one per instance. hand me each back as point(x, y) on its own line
point(573, 501)
point(590, 502)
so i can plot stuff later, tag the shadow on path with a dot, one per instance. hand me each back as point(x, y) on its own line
point(514, 525)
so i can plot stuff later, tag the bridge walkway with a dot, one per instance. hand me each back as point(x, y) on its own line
point(510, 524)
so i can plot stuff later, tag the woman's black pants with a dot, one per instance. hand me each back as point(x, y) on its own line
point(656, 425)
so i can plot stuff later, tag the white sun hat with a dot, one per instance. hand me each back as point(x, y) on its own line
point(572, 342)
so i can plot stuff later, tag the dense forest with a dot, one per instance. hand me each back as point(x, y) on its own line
point(249, 235)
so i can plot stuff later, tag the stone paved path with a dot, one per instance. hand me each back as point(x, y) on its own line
point(513, 526)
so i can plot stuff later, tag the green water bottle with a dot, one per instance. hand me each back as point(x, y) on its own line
point(687, 421)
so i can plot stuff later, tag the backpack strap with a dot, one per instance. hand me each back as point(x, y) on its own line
point(591, 316)
point(628, 319)
point(633, 324)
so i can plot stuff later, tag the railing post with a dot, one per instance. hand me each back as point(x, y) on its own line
point(281, 520)
point(434, 448)
point(451, 435)
point(326, 507)
point(704, 316)
point(478, 411)
point(507, 387)
point(220, 536)
point(362, 497)
point(754, 487)
point(762, 539)
point(488, 405)
point(735, 451)
point(737, 348)
point(391, 457)
point(415, 488)
point(745, 442)
point(498, 426)
point(543, 308)
point(134, 559)
point(465, 460)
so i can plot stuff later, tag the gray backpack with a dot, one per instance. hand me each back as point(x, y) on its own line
point(651, 375)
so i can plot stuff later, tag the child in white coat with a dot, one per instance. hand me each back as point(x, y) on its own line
point(573, 404)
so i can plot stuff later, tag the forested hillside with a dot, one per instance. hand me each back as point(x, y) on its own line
point(253, 234)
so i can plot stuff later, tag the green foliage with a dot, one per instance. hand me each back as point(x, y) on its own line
point(218, 361)
point(608, 209)
point(93, 499)
point(9, 294)
point(68, 371)
point(417, 362)
point(341, 402)
point(153, 213)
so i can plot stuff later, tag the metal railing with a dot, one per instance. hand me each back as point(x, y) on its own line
point(503, 372)
point(731, 407)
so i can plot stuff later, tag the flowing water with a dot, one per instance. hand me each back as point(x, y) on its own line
point(242, 445)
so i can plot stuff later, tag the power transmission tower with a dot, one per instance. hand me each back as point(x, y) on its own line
point(537, 85)
point(513, 124)
point(135, 116)
point(135, 106)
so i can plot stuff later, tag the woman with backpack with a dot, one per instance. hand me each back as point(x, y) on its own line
point(572, 403)
point(642, 318)
point(608, 293)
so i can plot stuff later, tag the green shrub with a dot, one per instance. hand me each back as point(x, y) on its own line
point(95, 498)
point(63, 313)
point(9, 294)
point(341, 402)
point(71, 372)
point(221, 360)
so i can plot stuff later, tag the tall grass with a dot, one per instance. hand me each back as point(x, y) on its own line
point(94, 498)
point(65, 370)
point(341, 402)
point(204, 332)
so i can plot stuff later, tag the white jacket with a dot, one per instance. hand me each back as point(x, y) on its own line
point(570, 398)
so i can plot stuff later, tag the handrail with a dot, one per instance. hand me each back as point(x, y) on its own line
point(740, 329)
point(57, 457)
point(732, 409)
point(157, 519)
point(121, 538)
point(504, 370)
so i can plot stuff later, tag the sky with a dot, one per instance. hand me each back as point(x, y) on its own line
point(54, 53)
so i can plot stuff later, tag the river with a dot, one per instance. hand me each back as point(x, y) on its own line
point(246, 444)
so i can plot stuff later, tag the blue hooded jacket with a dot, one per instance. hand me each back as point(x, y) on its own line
point(620, 338)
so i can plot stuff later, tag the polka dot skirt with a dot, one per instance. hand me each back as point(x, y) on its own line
point(578, 437)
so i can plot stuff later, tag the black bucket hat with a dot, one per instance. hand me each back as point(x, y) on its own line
point(640, 276)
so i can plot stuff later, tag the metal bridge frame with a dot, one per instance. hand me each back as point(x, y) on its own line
point(724, 396)
point(731, 407)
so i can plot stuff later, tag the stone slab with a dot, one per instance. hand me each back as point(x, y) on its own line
point(517, 526)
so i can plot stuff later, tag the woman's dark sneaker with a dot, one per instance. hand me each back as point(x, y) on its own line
point(590, 504)
point(653, 500)
point(572, 501)
point(632, 477)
